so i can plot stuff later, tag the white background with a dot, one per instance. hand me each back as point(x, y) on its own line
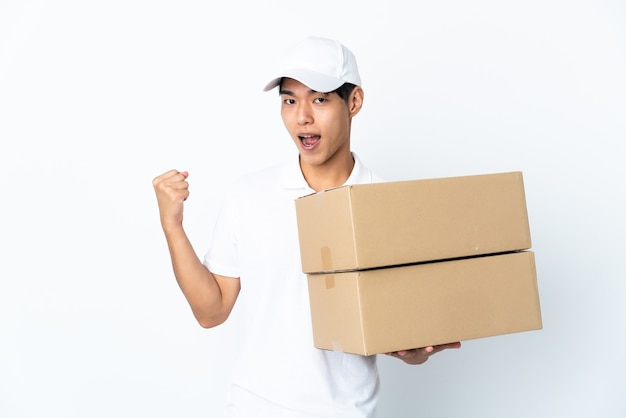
point(98, 97)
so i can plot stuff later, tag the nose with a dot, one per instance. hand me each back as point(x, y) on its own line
point(305, 116)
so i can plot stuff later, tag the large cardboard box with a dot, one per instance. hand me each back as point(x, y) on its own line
point(374, 225)
point(390, 309)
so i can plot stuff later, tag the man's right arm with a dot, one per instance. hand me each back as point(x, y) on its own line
point(210, 296)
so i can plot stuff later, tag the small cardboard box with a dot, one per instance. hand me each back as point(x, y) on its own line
point(390, 309)
point(384, 224)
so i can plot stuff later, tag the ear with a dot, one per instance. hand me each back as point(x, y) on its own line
point(355, 101)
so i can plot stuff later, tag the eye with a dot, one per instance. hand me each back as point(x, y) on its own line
point(319, 99)
point(289, 101)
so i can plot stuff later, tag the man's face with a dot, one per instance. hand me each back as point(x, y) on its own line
point(319, 123)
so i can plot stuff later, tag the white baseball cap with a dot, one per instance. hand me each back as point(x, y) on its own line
point(320, 63)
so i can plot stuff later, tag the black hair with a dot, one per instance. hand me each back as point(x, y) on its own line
point(345, 90)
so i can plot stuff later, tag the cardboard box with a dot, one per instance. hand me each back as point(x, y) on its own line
point(374, 225)
point(390, 309)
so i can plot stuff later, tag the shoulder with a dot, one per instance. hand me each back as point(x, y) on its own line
point(363, 174)
point(255, 182)
point(266, 175)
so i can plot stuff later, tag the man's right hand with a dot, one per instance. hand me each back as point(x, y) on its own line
point(171, 189)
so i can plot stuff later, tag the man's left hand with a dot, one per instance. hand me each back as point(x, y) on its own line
point(420, 355)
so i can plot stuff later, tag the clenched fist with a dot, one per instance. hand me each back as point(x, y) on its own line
point(171, 189)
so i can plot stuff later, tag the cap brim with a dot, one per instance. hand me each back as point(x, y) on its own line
point(275, 82)
point(314, 80)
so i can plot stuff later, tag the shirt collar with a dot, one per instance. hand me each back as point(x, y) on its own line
point(292, 177)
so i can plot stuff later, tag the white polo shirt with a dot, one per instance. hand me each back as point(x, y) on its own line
point(280, 373)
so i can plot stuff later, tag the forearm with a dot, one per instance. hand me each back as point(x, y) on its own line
point(198, 284)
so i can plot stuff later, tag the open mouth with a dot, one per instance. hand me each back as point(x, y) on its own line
point(309, 141)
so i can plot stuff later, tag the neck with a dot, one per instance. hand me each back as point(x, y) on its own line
point(332, 173)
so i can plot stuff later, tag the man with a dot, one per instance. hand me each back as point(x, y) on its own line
point(254, 257)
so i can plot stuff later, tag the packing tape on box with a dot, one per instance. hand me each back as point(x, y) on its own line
point(327, 260)
point(330, 281)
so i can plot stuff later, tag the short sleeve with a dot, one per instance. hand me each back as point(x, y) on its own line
point(221, 257)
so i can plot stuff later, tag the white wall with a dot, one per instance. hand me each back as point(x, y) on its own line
point(96, 98)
